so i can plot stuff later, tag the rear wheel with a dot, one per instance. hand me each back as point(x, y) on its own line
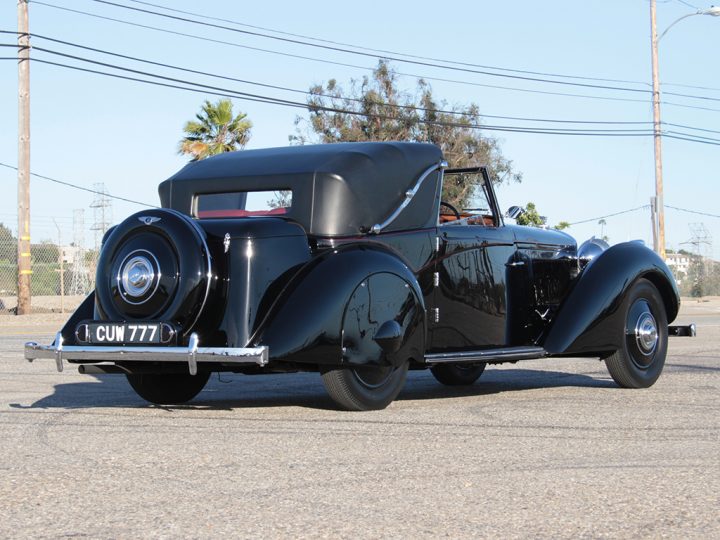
point(168, 389)
point(457, 374)
point(639, 362)
point(365, 388)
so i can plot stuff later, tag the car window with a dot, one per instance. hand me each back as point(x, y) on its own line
point(243, 204)
point(478, 210)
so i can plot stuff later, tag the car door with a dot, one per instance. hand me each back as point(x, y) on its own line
point(475, 253)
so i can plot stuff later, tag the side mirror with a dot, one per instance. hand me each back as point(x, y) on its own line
point(515, 212)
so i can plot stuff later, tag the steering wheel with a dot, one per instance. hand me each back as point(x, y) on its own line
point(452, 209)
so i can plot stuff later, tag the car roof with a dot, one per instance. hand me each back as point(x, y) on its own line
point(339, 189)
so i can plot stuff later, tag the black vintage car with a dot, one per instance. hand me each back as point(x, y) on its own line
point(343, 259)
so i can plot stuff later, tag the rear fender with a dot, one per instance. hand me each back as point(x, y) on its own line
point(85, 311)
point(589, 319)
point(312, 319)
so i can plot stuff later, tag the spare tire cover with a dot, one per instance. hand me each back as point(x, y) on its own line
point(155, 265)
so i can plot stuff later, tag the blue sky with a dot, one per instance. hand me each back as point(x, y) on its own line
point(88, 129)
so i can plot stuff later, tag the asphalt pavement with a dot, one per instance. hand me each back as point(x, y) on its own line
point(539, 449)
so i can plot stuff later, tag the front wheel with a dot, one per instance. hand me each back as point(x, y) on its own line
point(168, 389)
point(365, 388)
point(640, 360)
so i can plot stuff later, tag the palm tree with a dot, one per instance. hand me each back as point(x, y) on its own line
point(215, 131)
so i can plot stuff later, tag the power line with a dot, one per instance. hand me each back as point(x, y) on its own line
point(269, 99)
point(692, 211)
point(699, 137)
point(689, 96)
point(207, 89)
point(710, 88)
point(360, 53)
point(212, 90)
point(75, 186)
point(696, 107)
point(644, 83)
point(384, 51)
point(306, 93)
point(690, 127)
point(43, 219)
point(564, 131)
point(426, 62)
point(364, 68)
point(691, 139)
point(611, 215)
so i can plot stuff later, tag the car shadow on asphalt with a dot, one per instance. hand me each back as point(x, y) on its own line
point(228, 392)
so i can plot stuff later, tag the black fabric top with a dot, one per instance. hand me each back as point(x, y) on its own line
point(340, 189)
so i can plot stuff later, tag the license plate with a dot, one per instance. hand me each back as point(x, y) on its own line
point(124, 333)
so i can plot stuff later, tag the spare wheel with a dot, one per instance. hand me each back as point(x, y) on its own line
point(155, 265)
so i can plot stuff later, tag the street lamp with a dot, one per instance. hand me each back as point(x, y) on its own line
point(713, 12)
point(659, 221)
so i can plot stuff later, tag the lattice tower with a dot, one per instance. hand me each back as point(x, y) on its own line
point(102, 213)
point(79, 281)
point(701, 240)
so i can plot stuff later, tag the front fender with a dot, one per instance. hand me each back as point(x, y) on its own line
point(588, 320)
point(305, 324)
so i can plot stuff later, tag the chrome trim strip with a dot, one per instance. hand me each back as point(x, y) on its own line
point(192, 354)
point(409, 194)
point(508, 354)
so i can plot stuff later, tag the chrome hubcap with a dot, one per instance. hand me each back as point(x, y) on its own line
point(646, 333)
point(138, 274)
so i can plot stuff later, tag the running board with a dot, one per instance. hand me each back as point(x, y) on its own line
point(509, 354)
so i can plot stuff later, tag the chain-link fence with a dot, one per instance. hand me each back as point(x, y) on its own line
point(62, 275)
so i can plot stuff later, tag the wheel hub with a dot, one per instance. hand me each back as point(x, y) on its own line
point(646, 333)
point(137, 275)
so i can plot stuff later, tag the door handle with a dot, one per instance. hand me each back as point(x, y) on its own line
point(516, 263)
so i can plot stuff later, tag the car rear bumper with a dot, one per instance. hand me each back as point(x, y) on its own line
point(192, 354)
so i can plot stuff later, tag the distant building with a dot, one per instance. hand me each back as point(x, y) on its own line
point(679, 263)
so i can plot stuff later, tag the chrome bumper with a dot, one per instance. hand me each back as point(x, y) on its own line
point(192, 354)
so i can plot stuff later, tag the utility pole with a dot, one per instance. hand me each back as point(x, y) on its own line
point(24, 262)
point(659, 233)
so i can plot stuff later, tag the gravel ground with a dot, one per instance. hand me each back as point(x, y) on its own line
point(542, 449)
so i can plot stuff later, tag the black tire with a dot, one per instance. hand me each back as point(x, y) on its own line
point(457, 374)
point(168, 389)
point(639, 362)
point(365, 388)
